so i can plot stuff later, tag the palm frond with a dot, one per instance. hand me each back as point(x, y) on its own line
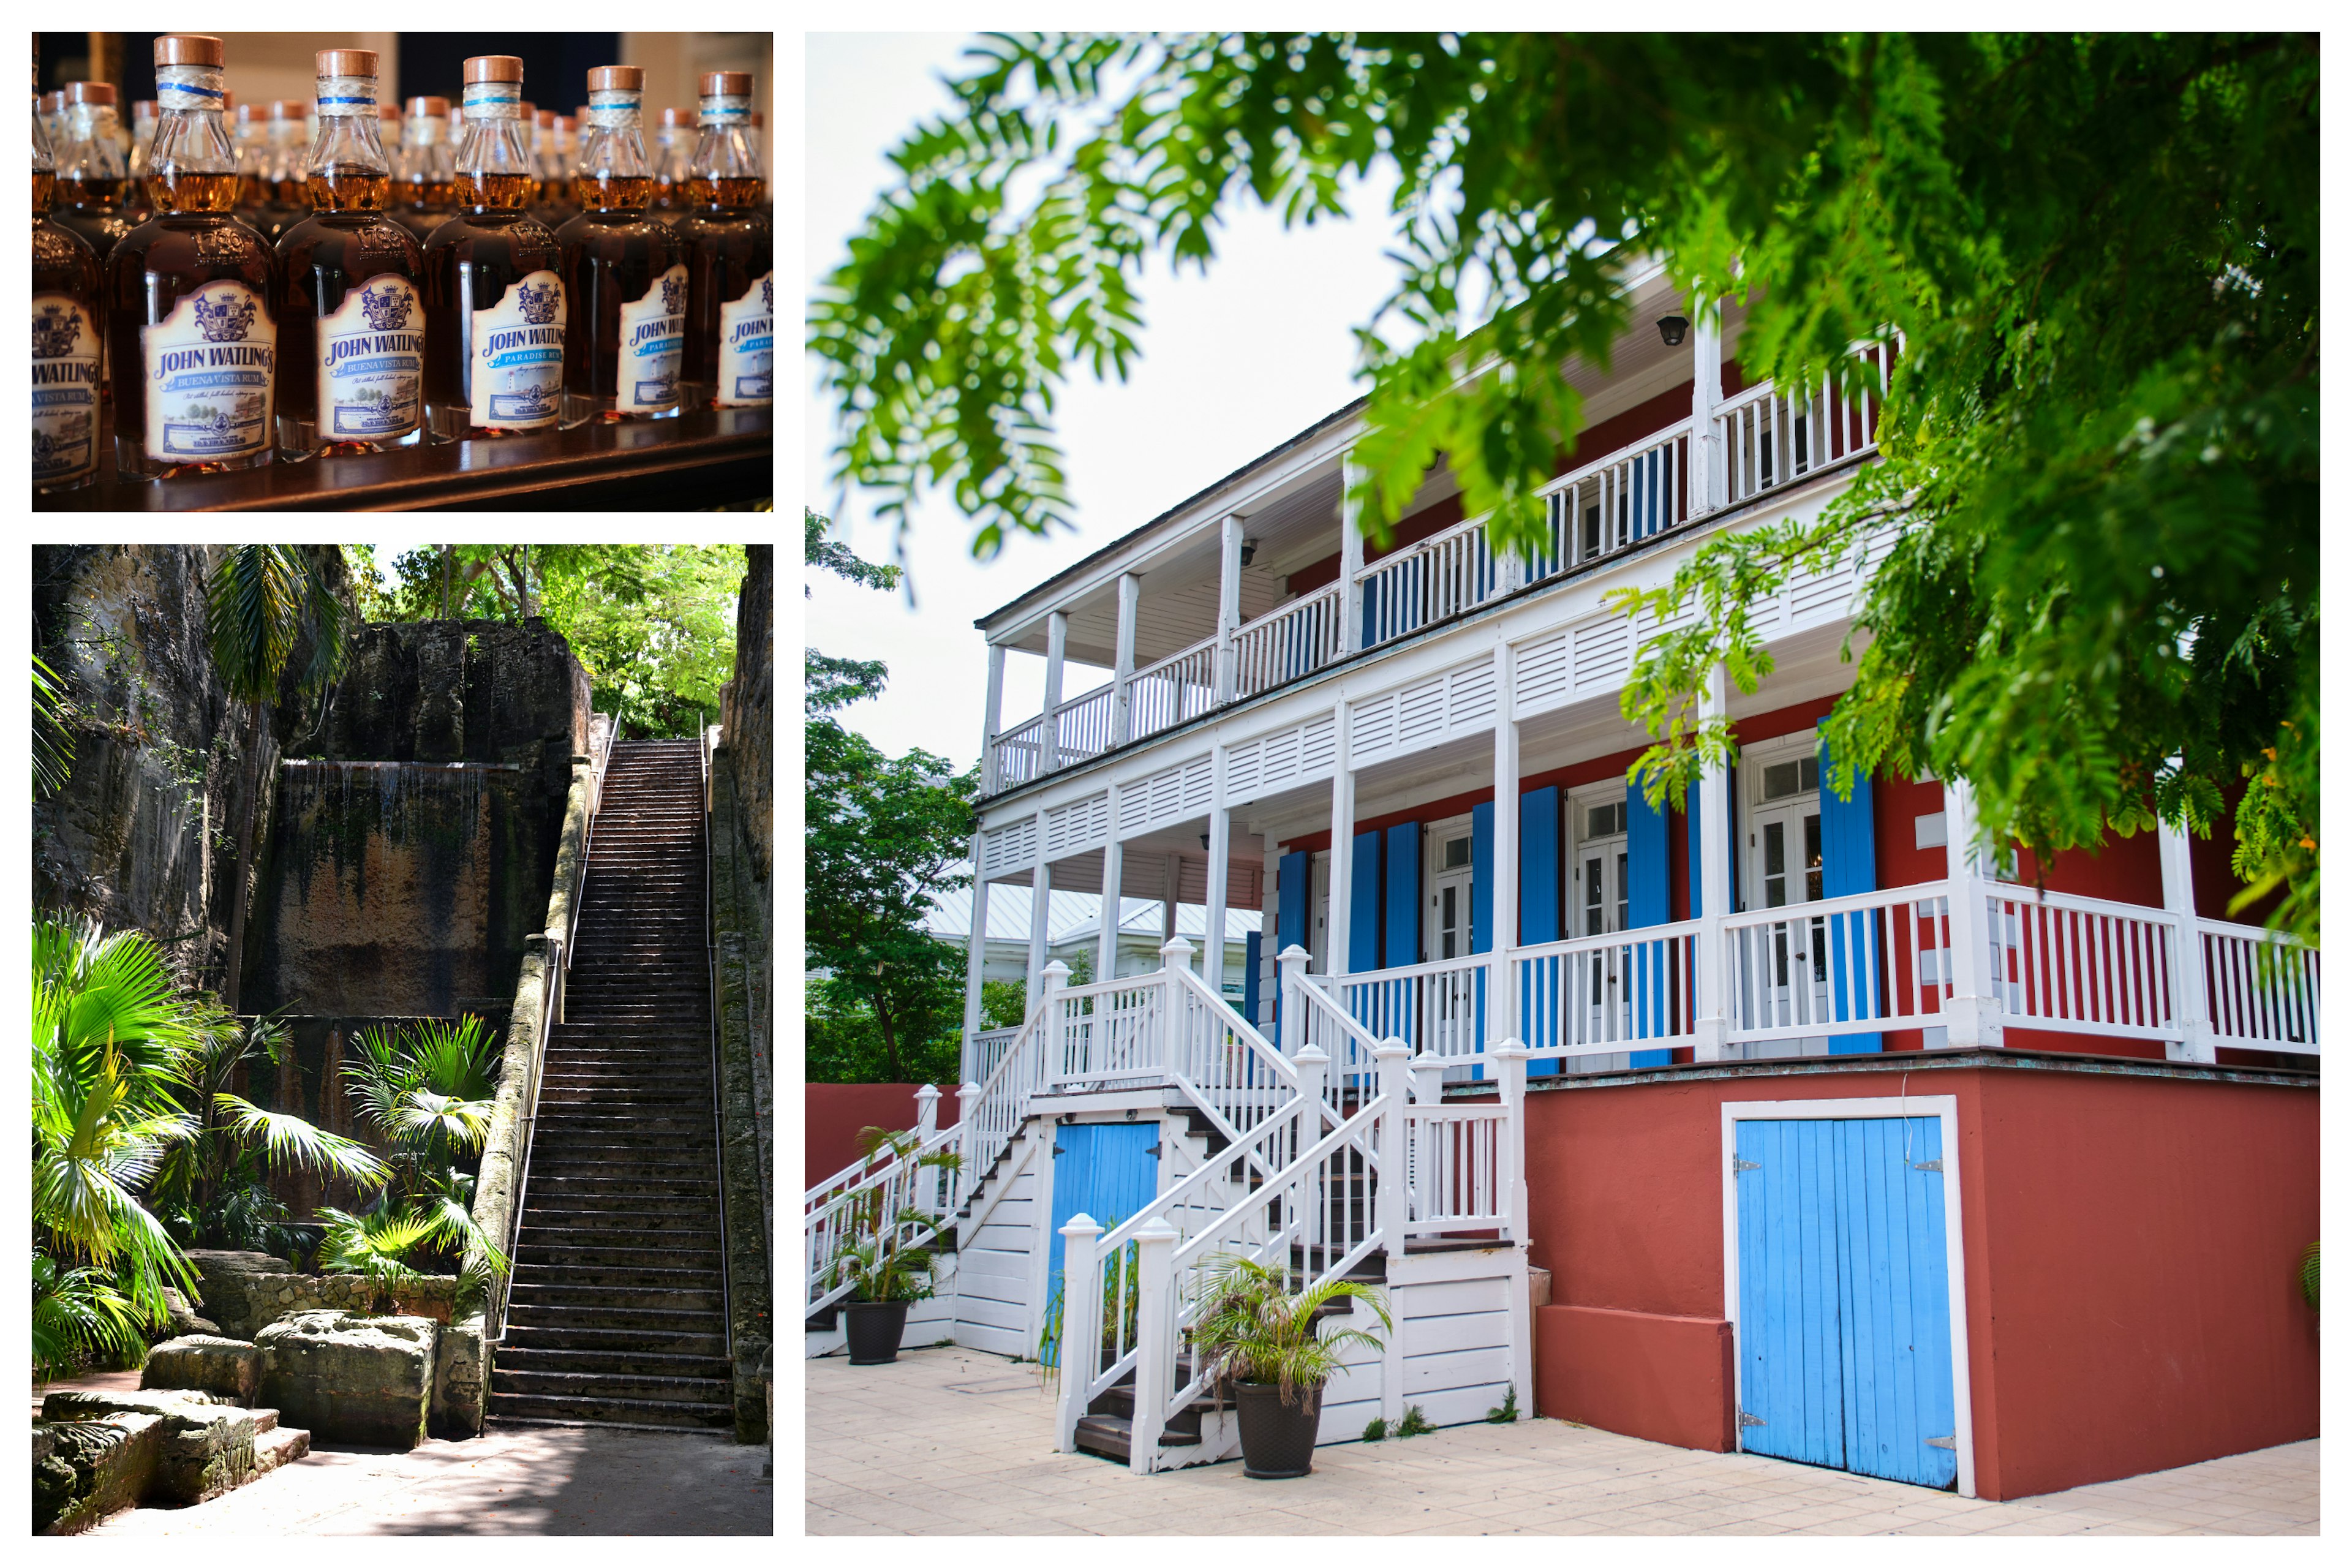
point(293, 1142)
point(53, 744)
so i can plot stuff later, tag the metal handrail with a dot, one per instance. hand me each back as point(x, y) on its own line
point(556, 971)
point(710, 944)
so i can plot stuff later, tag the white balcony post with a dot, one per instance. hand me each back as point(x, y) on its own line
point(1511, 1181)
point(1114, 871)
point(1081, 1346)
point(1131, 593)
point(1314, 1065)
point(1711, 1029)
point(1155, 1342)
point(966, 1180)
point(1292, 962)
point(1707, 391)
point(1392, 1058)
point(1175, 956)
point(2191, 1011)
point(927, 1123)
point(1049, 1028)
point(1502, 990)
point(1269, 881)
point(1341, 881)
point(993, 721)
point(1428, 1088)
point(1172, 880)
point(1351, 561)
point(1049, 742)
point(1221, 831)
point(1041, 898)
point(975, 961)
point(1229, 606)
point(1975, 1003)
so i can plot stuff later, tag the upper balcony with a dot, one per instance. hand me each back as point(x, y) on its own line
point(1262, 580)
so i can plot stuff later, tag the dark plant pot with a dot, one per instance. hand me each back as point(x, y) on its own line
point(1278, 1439)
point(873, 1330)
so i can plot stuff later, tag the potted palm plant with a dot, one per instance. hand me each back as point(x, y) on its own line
point(890, 1271)
point(1266, 1342)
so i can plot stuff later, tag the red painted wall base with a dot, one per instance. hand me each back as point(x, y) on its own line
point(1641, 1374)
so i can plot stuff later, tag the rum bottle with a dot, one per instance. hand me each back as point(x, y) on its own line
point(624, 273)
point(673, 159)
point(427, 169)
point(69, 330)
point(351, 365)
point(730, 281)
point(556, 205)
point(493, 289)
point(136, 206)
point(90, 173)
point(285, 171)
point(188, 293)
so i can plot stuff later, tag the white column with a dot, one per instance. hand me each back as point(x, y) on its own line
point(1130, 593)
point(1343, 845)
point(1081, 1326)
point(1114, 870)
point(1171, 878)
point(993, 721)
point(2190, 1010)
point(1710, 1030)
point(1292, 963)
point(1975, 1003)
point(975, 961)
point(1269, 907)
point(1502, 987)
point(1707, 391)
point(1041, 895)
point(1229, 606)
point(1351, 560)
point(1155, 1342)
point(1220, 830)
point(1512, 1063)
point(1057, 638)
point(1393, 1058)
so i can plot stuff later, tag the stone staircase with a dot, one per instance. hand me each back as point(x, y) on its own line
point(617, 1314)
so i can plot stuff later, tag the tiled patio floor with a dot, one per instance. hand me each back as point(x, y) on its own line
point(954, 1442)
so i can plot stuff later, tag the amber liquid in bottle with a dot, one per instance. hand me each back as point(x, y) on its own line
point(92, 209)
point(493, 242)
point(64, 263)
point(346, 241)
point(728, 246)
point(194, 240)
point(612, 254)
point(425, 204)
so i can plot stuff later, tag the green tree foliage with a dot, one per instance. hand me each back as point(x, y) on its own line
point(2101, 254)
point(654, 625)
point(886, 836)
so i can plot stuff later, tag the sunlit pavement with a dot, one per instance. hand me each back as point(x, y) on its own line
point(954, 1442)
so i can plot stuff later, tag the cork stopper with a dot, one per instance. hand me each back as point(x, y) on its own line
point(90, 92)
point(544, 118)
point(437, 108)
point(287, 109)
point(143, 109)
point(346, 62)
point(759, 120)
point(494, 68)
point(580, 113)
point(387, 111)
point(228, 101)
point(251, 114)
point(53, 103)
point(671, 117)
point(564, 123)
point(627, 79)
point(727, 84)
point(188, 49)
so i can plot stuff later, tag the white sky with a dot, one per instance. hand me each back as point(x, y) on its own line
point(1229, 368)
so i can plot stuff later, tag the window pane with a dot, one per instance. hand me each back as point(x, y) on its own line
point(1458, 853)
point(1781, 780)
point(1808, 774)
point(1624, 900)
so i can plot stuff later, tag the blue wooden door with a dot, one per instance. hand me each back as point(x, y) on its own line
point(1108, 1171)
point(1844, 1323)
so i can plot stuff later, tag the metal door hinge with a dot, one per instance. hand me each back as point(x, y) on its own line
point(1739, 1164)
point(1941, 1443)
point(1747, 1420)
point(1936, 1165)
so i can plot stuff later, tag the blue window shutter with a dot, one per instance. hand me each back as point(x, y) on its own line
point(1697, 884)
point(1403, 945)
point(1848, 865)
point(1482, 876)
point(1253, 950)
point(1293, 879)
point(1649, 877)
point(1540, 866)
point(1364, 906)
point(1731, 820)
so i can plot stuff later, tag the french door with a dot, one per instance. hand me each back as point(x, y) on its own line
point(1784, 870)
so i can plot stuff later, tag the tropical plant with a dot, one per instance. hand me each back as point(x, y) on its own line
point(1414, 1423)
point(2307, 1275)
point(1252, 1328)
point(1122, 1297)
point(882, 1265)
point(429, 1087)
point(79, 1314)
point(53, 747)
point(262, 602)
point(1505, 1413)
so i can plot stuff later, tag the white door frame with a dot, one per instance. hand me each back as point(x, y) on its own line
point(1435, 836)
point(1945, 1109)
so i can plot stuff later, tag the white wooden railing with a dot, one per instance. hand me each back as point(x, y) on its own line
point(1439, 577)
point(1180, 687)
point(1621, 990)
point(2263, 988)
point(2085, 966)
point(896, 1196)
point(1084, 727)
point(1441, 1008)
point(1291, 640)
point(1769, 435)
point(1021, 753)
point(987, 1048)
point(1461, 1159)
point(1838, 966)
point(1618, 501)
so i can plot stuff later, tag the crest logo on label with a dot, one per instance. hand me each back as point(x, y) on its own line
point(225, 323)
point(56, 330)
point(672, 295)
point(538, 304)
point(387, 308)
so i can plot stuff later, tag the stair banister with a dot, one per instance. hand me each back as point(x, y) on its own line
point(1392, 1056)
point(1081, 1346)
point(1155, 1342)
point(704, 739)
point(967, 1144)
point(1314, 1069)
point(927, 1125)
point(1511, 1068)
point(1293, 962)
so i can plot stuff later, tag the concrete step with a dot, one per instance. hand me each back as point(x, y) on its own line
point(612, 1297)
point(666, 1320)
point(625, 1277)
point(651, 1364)
point(552, 1227)
point(700, 1342)
point(612, 1384)
point(610, 1412)
point(278, 1446)
point(629, 1250)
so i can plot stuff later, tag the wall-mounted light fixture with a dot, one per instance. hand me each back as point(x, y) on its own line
point(1671, 327)
point(1249, 549)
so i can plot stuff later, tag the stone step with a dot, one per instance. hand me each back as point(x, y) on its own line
point(575, 1228)
point(611, 1384)
point(621, 1277)
point(631, 1250)
point(615, 1412)
point(278, 1446)
point(650, 1363)
point(612, 1298)
point(659, 1319)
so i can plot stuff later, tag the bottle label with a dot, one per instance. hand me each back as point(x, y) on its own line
point(747, 345)
point(653, 343)
point(64, 390)
point(371, 362)
point(209, 366)
point(517, 354)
